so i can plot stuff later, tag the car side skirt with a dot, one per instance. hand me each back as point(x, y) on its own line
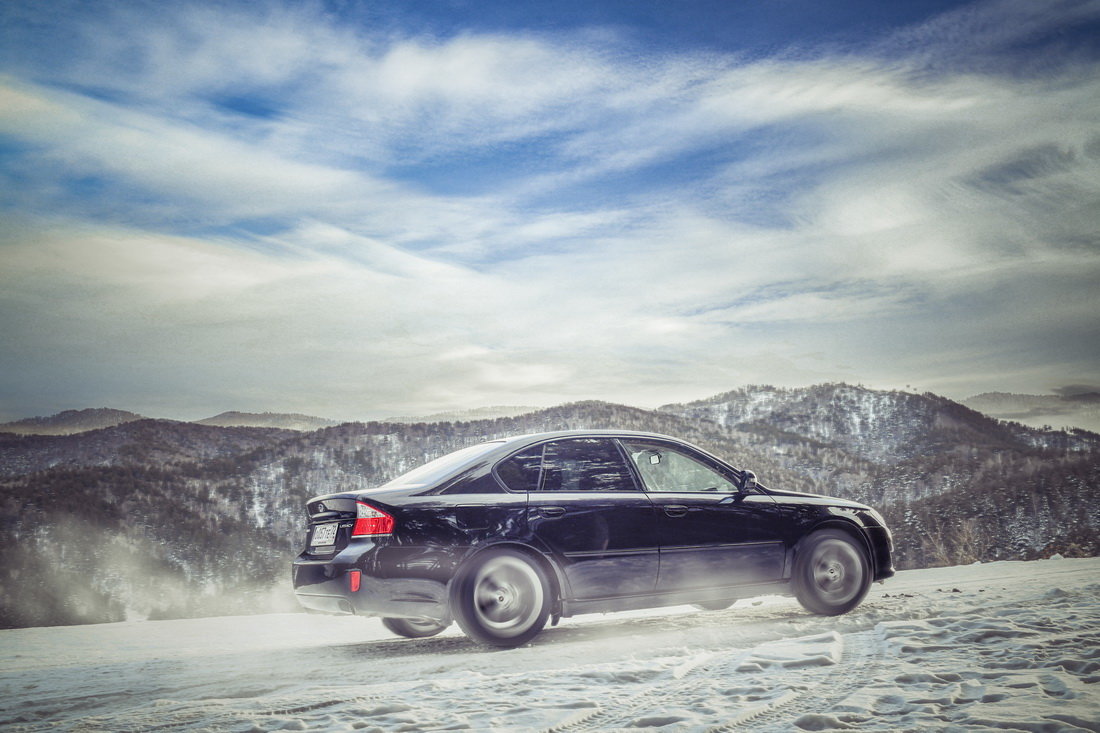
point(673, 598)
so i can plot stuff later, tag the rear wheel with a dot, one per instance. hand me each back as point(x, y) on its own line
point(831, 573)
point(502, 598)
point(414, 628)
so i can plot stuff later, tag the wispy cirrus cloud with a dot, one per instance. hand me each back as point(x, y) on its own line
point(573, 215)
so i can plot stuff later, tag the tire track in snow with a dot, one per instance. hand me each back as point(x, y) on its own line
point(1016, 645)
point(221, 714)
point(807, 666)
point(862, 657)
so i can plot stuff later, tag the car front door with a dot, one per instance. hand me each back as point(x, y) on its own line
point(711, 534)
point(588, 511)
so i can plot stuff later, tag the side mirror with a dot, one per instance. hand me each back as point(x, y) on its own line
point(748, 481)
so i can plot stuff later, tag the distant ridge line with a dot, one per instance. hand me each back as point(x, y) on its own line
point(1081, 410)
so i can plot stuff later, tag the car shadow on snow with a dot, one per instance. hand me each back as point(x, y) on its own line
point(671, 626)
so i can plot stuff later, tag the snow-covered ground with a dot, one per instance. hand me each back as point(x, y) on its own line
point(1007, 645)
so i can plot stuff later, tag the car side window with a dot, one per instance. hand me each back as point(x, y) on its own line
point(521, 472)
point(664, 468)
point(585, 464)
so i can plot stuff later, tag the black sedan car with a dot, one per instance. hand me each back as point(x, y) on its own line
point(508, 534)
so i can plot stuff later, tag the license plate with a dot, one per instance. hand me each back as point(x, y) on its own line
point(324, 534)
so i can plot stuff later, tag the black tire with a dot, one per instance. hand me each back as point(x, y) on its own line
point(831, 573)
point(414, 628)
point(501, 598)
point(713, 605)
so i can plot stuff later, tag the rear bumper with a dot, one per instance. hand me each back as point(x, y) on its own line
point(325, 586)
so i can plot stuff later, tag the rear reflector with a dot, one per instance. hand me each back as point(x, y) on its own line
point(370, 521)
point(355, 577)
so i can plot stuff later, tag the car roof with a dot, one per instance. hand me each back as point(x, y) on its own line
point(498, 448)
point(593, 433)
point(510, 444)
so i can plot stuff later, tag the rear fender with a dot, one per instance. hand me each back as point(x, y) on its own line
point(553, 573)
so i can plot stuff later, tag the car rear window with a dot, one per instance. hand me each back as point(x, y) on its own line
point(443, 466)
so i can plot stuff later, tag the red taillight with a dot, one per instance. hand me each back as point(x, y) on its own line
point(355, 577)
point(370, 521)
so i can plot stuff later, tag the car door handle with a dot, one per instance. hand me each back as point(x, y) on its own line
point(551, 511)
point(676, 510)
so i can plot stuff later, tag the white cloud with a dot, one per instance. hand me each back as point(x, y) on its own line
point(852, 216)
point(82, 136)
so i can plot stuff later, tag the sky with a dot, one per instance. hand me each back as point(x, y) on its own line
point(360, 208)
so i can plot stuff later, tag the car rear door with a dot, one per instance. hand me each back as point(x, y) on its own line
point(711, 535)
point(591, 515)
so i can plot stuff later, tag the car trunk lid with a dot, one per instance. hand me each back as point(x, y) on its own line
point(331, 519)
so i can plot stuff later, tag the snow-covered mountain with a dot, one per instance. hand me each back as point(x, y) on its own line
point(169, 519)
point(876, 425)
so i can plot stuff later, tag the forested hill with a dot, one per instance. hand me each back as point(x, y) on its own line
point(70, 421)
point(158, 518)
point(884, 427)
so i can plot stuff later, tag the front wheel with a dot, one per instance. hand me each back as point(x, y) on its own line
point(414, 628)
point(501, 599)
point(831, 573)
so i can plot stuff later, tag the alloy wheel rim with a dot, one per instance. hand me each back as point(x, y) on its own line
point(836, 570)
point(508, 595)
